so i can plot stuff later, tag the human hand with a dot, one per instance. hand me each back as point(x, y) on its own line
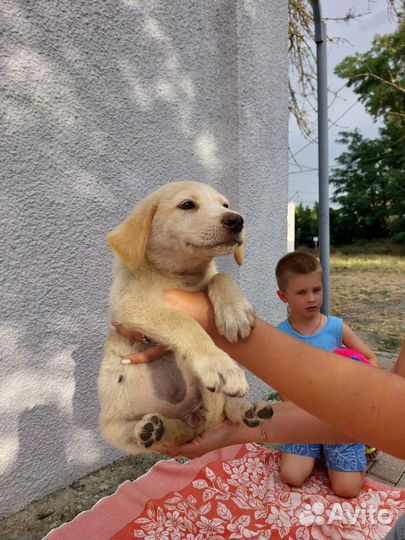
point(195, 304)
point(224, 434)
point(154, 352)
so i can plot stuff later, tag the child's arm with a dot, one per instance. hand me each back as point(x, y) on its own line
point(352, 341)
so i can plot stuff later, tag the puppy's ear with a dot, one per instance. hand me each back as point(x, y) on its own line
point(239, 254)
point(129, 239)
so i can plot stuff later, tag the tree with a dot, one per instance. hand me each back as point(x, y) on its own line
point(302, 60)
point(377, 76)
point(342, 227)
point(306, 225)
point(370, 178)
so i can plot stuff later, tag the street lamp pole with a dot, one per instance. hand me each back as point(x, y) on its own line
point(322, 88)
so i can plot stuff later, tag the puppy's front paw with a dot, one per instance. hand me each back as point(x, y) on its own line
point(257, 413)
point(149, 430)
point(235, 320)
point(234, 315)
point(218, 372)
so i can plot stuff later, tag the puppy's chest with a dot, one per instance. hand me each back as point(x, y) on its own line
point(192, 287)
point(184, 282)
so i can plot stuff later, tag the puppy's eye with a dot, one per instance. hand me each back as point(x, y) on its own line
point(187, 205)
point(226, 205)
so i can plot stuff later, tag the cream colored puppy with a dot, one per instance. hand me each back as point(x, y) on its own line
point(170, 241)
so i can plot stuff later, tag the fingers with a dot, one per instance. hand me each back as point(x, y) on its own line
point(193, 449)
point(130, 335)
point(173, 451)
point(212, 439)
point(152, 353)
point(149, 355)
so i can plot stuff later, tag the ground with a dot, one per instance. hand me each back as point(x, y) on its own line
point(367, 291)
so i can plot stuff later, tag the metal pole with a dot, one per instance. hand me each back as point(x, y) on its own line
point(322, 87)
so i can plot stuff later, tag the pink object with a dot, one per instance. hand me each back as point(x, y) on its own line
point(353, 354)
point(232, 493)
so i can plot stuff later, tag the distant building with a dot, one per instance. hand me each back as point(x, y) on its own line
point(291, 227)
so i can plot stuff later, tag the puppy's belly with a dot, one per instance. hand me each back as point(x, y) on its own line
point(156, 387)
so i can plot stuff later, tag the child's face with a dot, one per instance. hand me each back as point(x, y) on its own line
point(303, 294)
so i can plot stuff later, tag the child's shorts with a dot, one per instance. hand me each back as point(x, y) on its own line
point(338, 457)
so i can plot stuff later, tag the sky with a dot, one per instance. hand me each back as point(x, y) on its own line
point(359, 34)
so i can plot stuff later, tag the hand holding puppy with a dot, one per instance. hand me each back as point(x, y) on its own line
point(154, 352)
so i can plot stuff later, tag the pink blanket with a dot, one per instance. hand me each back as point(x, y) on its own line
point(235, 492)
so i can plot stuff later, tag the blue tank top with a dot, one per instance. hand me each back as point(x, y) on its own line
point(328, 339)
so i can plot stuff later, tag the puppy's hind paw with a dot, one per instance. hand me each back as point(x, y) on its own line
point(257, 413)
point(149, 430)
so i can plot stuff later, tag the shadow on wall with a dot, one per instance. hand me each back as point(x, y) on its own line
point(46, 451)
point(103, 102)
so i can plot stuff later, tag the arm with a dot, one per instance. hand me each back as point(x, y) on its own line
point(288, 425)
point(399, 367)
point(352, 341)
point(366, 404)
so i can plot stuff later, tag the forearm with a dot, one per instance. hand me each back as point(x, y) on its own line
point(291, 424)
point(366, 404)
point(399, 367)
point(352, 341)
point(373, 361)
point(341, 392)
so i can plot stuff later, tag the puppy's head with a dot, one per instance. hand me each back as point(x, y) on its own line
point(180, 222)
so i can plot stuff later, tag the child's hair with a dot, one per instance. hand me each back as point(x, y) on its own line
point(296, 263)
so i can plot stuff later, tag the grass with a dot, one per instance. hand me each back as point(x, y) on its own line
point(390, 343)
point(368, 263)
point(371, 248)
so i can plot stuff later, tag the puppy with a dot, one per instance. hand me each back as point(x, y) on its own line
point(170, 241)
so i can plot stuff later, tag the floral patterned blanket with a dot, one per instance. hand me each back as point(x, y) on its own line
point(234, 493)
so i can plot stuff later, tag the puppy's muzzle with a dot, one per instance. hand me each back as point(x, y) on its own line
point(233, 222)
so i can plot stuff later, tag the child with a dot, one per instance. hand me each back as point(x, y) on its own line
point(299, 278)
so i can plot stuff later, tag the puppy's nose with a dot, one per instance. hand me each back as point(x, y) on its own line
point(233, 222)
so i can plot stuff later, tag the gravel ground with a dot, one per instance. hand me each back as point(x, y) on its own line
point(35, 521)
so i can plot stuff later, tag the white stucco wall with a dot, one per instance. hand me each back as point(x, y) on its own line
point(101, 102)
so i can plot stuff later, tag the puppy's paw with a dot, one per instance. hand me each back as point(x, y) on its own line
point(149, 430)
point(257, 413)
point(234, 315)
point(235, 320)
point(218, 372)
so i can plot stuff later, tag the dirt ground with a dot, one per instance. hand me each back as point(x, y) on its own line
point(371, 302)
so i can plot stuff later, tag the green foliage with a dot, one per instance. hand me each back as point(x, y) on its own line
point(369, 187)
point(342, 228)
point(377, 76)
point(369, 180)
point(306, 225)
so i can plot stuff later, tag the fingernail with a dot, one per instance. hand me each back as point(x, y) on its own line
point(126, 361)
point(112, 328)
